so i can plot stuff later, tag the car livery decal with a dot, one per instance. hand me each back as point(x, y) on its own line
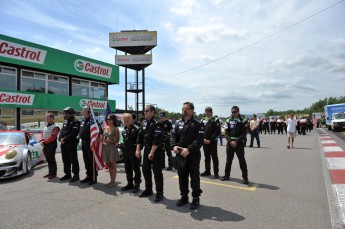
point(5, 148)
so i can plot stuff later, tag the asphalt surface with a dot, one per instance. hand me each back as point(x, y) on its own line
point(287, 190)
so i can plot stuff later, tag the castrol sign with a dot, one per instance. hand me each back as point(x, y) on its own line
point(92, 68)
point(16, 98)
point(96, 104)
point(22, 52)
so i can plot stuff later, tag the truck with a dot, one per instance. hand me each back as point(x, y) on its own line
point(335, 116)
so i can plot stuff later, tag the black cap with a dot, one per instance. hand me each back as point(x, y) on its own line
point(69, 110)
point(162, 114)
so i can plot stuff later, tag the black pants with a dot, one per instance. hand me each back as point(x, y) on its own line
point(266, 128)
point(70, 157)
point(167, 150)
point(132, 163)
point(254, 134)
point(49, 151)
point(273, 129)
point(230, 153)
point(192, 169)
point(280, 129)
point(156, 166)
point(210, 150)
point(88, 159)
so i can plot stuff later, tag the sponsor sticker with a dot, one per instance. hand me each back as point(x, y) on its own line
point(92, 68)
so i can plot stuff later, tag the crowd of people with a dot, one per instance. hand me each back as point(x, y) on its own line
point(150, 141)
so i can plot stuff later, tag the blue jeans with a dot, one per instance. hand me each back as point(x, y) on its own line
point(254, 134)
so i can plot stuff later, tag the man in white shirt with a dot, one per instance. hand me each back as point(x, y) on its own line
point(254, 131)
point(291, 129)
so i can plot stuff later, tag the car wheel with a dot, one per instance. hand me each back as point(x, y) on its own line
point(28, 164)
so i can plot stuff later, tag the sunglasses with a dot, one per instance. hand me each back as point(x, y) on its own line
point(108, 119)
point(234, 112)
point(147, 111)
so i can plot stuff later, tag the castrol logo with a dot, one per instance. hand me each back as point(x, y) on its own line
point(92, 68)
point(22, 52)
point(16, 98)
point(93, 103)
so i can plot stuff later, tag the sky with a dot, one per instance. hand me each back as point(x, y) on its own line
point(257, 54)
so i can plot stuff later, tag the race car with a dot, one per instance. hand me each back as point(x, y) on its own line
point(18, 155)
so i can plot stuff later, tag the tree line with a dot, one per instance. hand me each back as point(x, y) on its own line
point(313, 108)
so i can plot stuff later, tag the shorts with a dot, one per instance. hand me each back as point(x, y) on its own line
point(292, 134)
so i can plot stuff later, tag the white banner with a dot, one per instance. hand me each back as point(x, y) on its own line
point(16, 98)
point(135, 38)
point(22, 52)
point(133, 59)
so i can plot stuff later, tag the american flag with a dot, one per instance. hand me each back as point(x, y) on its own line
point(96, 146)
point(107, 113)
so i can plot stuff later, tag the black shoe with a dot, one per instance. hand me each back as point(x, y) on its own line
point(86, 180)
point(169, 168)
point(250, 146)
point(224, 178)
point(206, 173)
point(66, 177)
point(216, 176)
point(127, 187)
point(195, 204)
point(136, 189)
point(158, 197)
point(245, 181)
point(74, 178)
point(91, 182)
point(182, 201)
point(146, 193)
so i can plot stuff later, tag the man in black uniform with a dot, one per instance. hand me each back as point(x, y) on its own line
point(132, 163)
point(151, 137)
point(187, 139)
point(235, 134)
point(212, 131)
point(167, 126)
point(69, 142)
point(86, 148)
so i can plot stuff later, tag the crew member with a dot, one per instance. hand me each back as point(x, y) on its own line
point(280, 125)
point(167, 126)
point(273, 125)
point(235, 134)
point(69, 141)
point(132, 163)
point(86, 148)
point(49, 142)
point(254, 131)
point(212, 130)
point(187, 139)
point(151, 137)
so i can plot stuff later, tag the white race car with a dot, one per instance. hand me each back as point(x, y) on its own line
point(17, 153)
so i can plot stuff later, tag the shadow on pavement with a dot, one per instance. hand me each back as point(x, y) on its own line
point(39, 166)
point(301, 148)
point(204, 212)
point(103, 188)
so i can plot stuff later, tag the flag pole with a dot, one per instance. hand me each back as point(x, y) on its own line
point(93, 153)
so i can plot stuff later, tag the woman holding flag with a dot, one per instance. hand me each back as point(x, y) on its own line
point(111, 139)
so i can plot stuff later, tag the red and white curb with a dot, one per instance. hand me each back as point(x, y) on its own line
point(335, 157)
